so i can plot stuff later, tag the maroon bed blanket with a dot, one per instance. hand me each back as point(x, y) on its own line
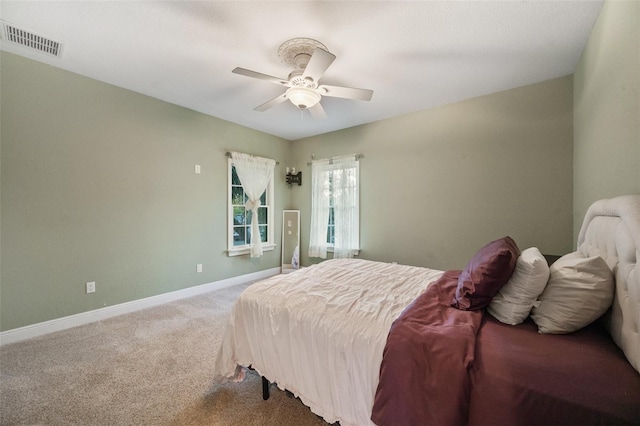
point(424, 375)
point(521, 377)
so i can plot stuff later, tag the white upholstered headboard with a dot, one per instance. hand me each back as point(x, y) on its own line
point(611, 229)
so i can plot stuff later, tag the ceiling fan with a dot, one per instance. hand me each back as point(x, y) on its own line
point(310, 59)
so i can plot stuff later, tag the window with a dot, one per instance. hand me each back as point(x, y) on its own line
point(335, 224)
point(239, 229)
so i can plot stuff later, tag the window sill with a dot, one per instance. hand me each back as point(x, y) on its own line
point(246, 250)
point(330, 250)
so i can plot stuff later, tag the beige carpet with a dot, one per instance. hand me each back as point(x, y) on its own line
point(152, 367)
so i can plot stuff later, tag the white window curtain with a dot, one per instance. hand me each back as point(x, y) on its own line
point(335, 182)
point(320, 199)
point(254, 173)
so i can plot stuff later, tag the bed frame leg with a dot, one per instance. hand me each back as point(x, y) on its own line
point(265, 388)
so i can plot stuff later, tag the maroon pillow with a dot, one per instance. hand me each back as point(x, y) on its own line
point(487, 271)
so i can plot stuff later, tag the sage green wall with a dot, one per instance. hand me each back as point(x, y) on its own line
point(98, 184)
point(606, 156)
point(438, 184)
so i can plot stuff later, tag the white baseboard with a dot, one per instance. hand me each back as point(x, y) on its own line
point(58, 324)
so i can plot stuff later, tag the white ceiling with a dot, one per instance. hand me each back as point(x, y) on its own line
point(414, 55)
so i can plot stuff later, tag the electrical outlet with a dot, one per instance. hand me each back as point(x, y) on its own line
point(91, 287)
point(199, 267)
point(197, 169)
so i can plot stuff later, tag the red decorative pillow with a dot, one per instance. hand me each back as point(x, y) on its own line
point(487, 271)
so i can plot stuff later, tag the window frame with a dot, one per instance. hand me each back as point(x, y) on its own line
point(269, 245)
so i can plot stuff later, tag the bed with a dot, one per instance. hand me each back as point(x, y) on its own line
point(363, 342)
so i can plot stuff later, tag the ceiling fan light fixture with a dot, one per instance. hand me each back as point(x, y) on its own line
point(303, 97)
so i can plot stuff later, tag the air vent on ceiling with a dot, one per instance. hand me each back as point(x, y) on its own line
point(25, 38)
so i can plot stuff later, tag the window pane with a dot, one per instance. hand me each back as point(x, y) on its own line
point(263, 199)
point(263, 234)
point(239, 236)
point(331, 226)
point(238, 216)
point(234, 177)
point(331, 235)
point(237, 196)
point(262, 215)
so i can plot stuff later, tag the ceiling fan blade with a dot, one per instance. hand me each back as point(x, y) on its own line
point(258, 75)
point(318, 64)
point(273, 102)
point(346, 92)
point(317, 111)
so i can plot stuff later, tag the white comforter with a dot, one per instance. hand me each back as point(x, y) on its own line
point(320, 332)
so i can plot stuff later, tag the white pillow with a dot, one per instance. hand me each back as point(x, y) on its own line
point(579, 291)
point(515, 299)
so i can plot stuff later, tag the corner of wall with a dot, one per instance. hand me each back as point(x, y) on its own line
point(606, 148)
